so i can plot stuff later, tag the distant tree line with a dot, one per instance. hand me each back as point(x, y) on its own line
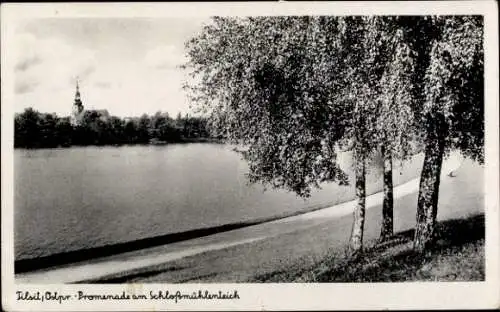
point(40, 130)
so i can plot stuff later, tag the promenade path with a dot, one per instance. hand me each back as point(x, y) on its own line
point(239, 255)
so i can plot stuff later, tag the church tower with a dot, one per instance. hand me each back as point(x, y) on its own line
point(77, 112)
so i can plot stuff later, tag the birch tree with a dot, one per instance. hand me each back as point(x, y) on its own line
point(293, 90)
point(395, 125)
point(378, 78)
point(453, 111)
point(268, 83)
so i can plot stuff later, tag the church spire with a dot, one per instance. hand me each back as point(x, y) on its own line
point(78, 100)
point(77, 114)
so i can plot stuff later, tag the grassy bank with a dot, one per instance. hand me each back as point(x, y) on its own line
point(458, 255)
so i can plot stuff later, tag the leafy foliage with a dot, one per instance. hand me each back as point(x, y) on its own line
point(455, 83)
point(267, 83)
point(296, 90)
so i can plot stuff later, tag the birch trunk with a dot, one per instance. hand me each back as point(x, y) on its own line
point(356, 240)
point(429, 184)
point(387, 229)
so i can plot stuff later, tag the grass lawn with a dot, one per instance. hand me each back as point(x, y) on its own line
point(458, 255)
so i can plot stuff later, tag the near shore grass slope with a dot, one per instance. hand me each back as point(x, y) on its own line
point(457, 256)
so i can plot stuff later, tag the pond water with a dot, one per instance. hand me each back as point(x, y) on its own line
point(81, 197)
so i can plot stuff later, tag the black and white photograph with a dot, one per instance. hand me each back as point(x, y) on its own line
point(250, 156)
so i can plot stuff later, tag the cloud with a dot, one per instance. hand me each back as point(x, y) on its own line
point(165, 57)
point(22, 87)
point(126, 67)
point(27, 63)
point(103, 85)
point(87, 71)
point(82, 72)
point(56, 60)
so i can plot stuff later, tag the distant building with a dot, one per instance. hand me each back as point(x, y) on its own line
point(78, 110)
point(102, 114)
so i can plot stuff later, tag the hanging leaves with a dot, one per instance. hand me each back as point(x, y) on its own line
point(295, 90)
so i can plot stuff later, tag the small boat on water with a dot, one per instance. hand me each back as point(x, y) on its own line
point(157, 142)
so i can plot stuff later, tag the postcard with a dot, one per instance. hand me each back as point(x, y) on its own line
point(250, 156)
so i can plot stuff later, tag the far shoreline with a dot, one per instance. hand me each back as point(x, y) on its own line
point(183, 141)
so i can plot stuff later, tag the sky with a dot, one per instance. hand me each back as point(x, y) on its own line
point(128, 66)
